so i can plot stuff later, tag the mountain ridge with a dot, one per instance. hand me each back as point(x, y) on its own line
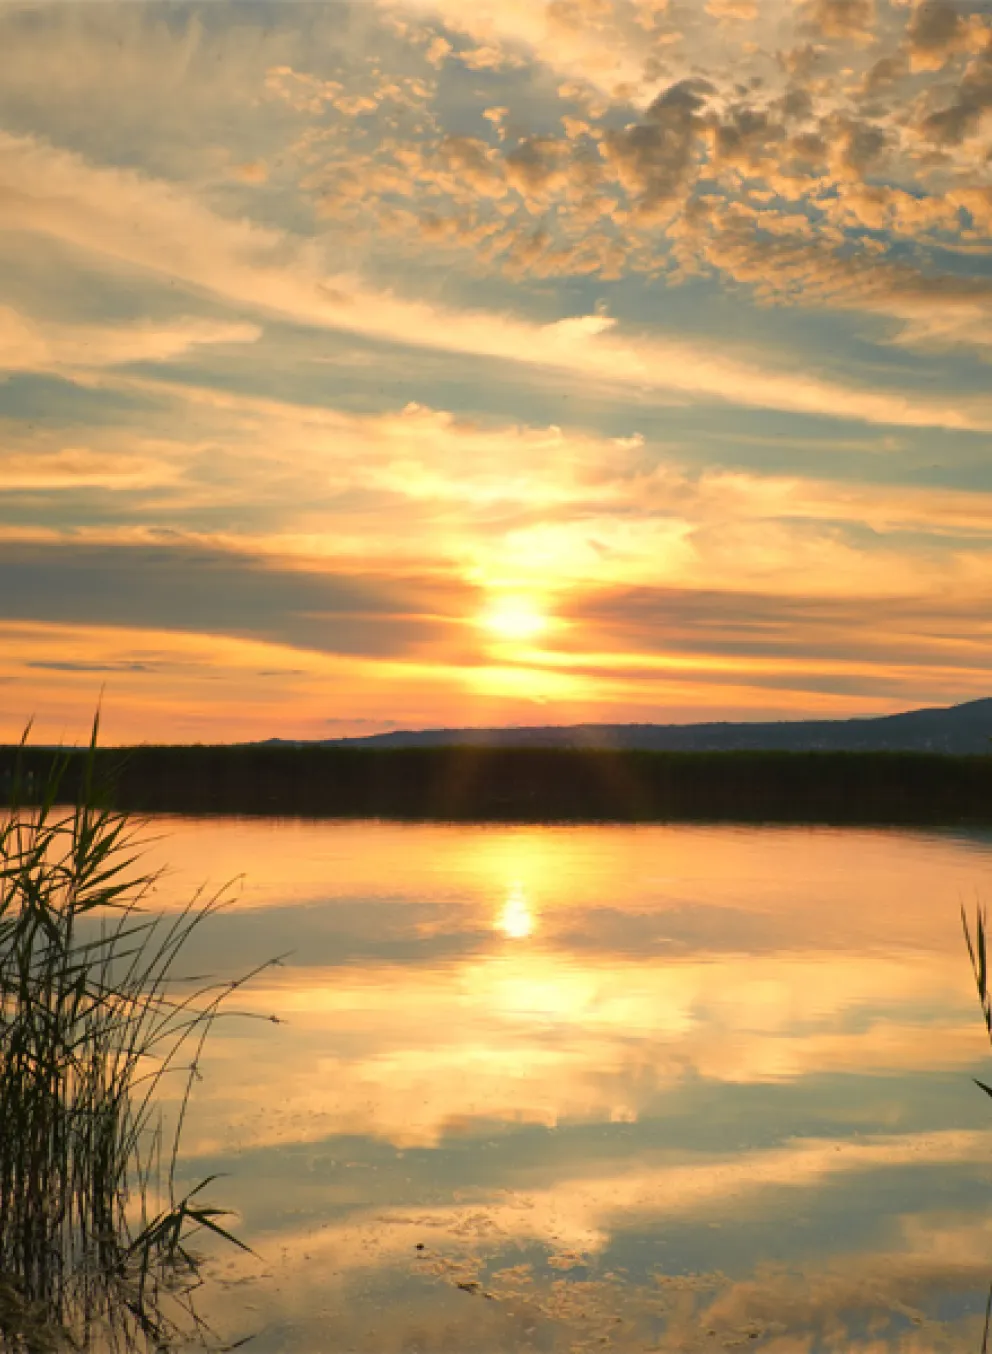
point(964, 729)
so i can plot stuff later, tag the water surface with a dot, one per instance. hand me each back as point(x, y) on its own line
point(584, 1088)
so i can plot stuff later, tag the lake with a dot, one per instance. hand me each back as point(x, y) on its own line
point(594, 1088)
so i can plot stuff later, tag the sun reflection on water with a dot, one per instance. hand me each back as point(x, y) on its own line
point(659, 1024)
point(516, 919)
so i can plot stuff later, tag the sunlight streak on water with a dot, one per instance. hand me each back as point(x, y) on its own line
point(516, 920)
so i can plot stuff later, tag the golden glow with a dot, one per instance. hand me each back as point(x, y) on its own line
point(568, 910)
point(515, 618)
point(516, 920)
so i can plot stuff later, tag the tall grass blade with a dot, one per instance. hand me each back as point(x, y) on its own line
point(94, 1017)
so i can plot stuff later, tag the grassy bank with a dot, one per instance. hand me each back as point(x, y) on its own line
point(517, 784)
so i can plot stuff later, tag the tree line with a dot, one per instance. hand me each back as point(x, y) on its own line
point(522, 784)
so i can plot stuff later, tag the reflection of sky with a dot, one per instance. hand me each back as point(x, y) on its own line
point(666, 1087)
point(667, 319)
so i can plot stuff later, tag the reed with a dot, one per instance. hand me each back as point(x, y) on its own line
point(977, 942)
point(94, 1016)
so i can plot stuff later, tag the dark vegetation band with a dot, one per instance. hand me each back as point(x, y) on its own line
point(528, 784)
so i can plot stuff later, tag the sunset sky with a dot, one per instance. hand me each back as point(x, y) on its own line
point(492, 362)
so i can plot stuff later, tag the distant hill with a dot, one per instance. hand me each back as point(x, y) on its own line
point(960, 729)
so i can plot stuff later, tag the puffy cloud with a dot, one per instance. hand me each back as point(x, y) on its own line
point(534, 167)
point(652, 158)
point(474, 164)
point(799, 259)
point(156, 227)
point(802, 189)
point(961, 116)
point(934, 33)
point(843, 18)
point(856, 147)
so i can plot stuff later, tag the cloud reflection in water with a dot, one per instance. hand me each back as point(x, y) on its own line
point(723, 1087)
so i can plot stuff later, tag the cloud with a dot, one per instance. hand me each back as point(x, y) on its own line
point(202, 591)
point(201, 685)
point(30, 345)
point(430, 491)
point(159, 228)
point(961, 116)
point(652, 157)
point(843, 18)
point(934, 33)
point(126, 217)
point(175, 91)
point(493, 212)
point(767, 579)
point(759, 634)
point(72, 468)
point(534, 167)
point(808, 263)
point(581, 38)
point(251, 171)
point(53, 666)
point(801, 161)
point(469, 161)
point(741, 10)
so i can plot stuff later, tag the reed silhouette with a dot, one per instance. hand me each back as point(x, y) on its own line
point(977, 943)
point(97, 1243)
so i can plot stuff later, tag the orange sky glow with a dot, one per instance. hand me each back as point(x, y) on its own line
point(413, 363)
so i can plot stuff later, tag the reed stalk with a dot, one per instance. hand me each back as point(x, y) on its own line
point(94, 1016)
point(977, 942)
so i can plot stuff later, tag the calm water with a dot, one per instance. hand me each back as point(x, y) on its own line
point(570, 1089)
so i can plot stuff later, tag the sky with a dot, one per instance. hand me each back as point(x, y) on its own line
point(409, 363)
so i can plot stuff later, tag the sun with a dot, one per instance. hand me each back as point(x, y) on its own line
point(514, 618)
